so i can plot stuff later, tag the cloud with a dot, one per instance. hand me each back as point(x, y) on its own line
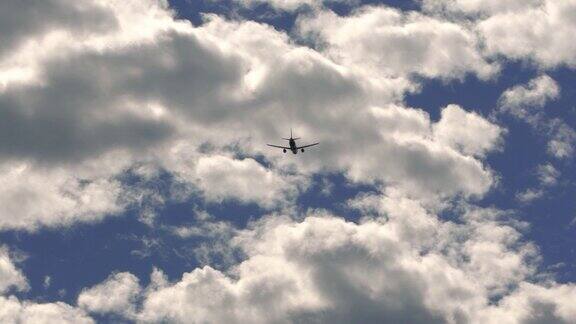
point(121, 96)
point(548, 177)
point(563, 139)
point(13, 310)
point(529, 195)
point(116, 294)
point(541, 34)
point(466, 131)
point(410, 266)
point(293, 5)
point(21, 22)
point(125, 86)
point(538, 304)
point(548, 174)
point(478, 7)
point(391, 43)
point(525, 101)
point(31, 198)
point(10, 276)
point(223, 178)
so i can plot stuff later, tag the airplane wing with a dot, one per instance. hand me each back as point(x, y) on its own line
point(278, 146)
point(305, 146)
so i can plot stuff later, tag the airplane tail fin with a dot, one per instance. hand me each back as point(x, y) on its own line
point(291, 136)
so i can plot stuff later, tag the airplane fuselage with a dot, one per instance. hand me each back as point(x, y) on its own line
point(293, 146)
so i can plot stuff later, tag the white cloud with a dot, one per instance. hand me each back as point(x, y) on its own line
point(148, 95)
point(287, 5)
point(542, 34)
point(292, 5)
point(529, 195)
point(466, 131)
point(14, 311)
point(146, 89)
point(117, 294)
point(548, 174)
point(389, 43)
point(10, 276)
point(222, 178)
point(474, 7)
point(562, 139)
point(525, 101)
point(411, 268)
point(30, 198)
point(537, 304)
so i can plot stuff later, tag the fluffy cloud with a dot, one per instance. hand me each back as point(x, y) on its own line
point(288, 5)
point(10, 276)
point(474, 7)
point(391, 43)
point(410, 266)
point(246, 180)
point(525, 101)
point(538, 304)
point(115, 295)
point(146, 82)
point(138, 87)
point(466, 131)
point(292, 5)
point(30, 198)
point(541, 34)
point(13, 310)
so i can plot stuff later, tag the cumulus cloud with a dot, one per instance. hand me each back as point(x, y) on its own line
point(30, 198)
point(541, 34)
point(10, 276)
point(138, 87)
point(13, 310)
point(116, 294)
point(526, 101)
point(288, 5)
point(466, 131)
point(246, 180)
point(146, 83)
point(407, 267)
point(392, 43)
point(478, 7)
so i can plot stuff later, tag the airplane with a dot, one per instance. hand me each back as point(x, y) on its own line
point(292, 143)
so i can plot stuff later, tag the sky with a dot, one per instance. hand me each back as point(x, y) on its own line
point(136, 185)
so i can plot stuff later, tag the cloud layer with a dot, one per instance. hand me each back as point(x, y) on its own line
point(92, 92)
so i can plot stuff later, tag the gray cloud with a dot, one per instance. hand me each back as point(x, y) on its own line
point(22, 21)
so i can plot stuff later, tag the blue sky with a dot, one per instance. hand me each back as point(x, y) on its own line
point(445, 164)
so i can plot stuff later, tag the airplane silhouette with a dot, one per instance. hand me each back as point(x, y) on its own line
point(292, 143)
